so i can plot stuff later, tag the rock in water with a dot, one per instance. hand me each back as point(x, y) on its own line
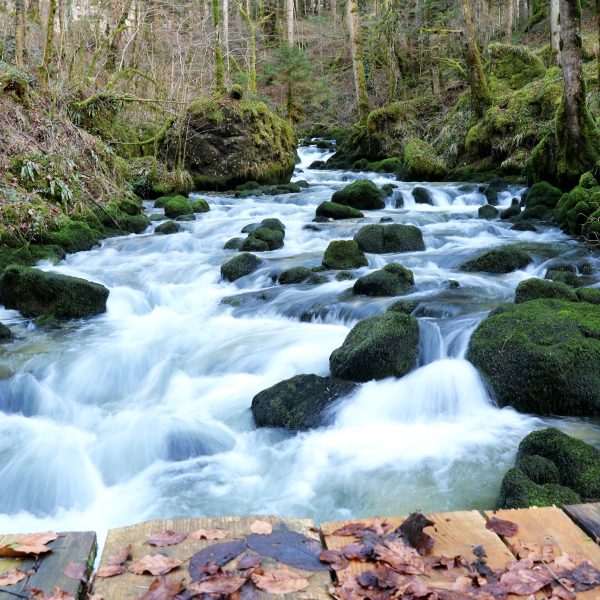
point(498, 260)
point(298, 403)
point(333, 210)
point(229, 142)
point(487, 211)
point(240, 266)
point(343, 255)
point(34, 293)
point(383, 345)
point(362, 195)
point(392, 280)
point(168, 228)
point(532, 289)
point(542, 356)
point(382, 239)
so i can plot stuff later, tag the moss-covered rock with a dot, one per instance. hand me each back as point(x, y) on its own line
point(514, 210)
point(150, 178)
point(523, 226)
point(294, 275)
point(263, 239)
point(381, 239)
point(234, 243)
point(343, 255)
point(406, 307)
point(177, 206)
point(539, 469)
point(541, 356)
point(498, 260)
point(5, 334)
point(34, 293)
point(532, 289)
point(487, 211)
point(587, 181)
point(362, 194)
point(591, 295)
point(575, 208)
point(422, 195)
point(168, 228)
point(298, 403)
point(392, 280)
point(563, 273)
point(231, 141)
point(541, 193)
point(74, 236)
point(200, 205)
point(333, 210)
point(162, 200)
point(240, 266)
point(30, 255)
point(512, 66)
point(493, 188)
point(420, 162)
point(384, 345)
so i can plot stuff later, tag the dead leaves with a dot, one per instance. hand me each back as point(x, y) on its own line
point(208, 534)
point(11, 577)
point(32, 544)
point(281, 581)
point(261, 527)
point(115, 562)
point(155, 564)
point(220, 583)
point(166, 538)
point(502, 527)
point(76, 571)
point(162, 588)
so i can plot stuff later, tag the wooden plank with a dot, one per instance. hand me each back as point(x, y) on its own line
point(551, 526)
point(129, 586)
point(454, 534)
point(587, 516)
point(47, 571)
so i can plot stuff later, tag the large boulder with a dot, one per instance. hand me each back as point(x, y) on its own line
point(498, 260)
point(177, 206)
point(231, 141)
point(294, 275)
point(361, 194)
point(541, 356)
point(532, 289)
point(487, 211)
point(298, 403)
point(492, 190)
point(384, 345)
point(35, 293)
point(168, 228)
point(5, 333)
point(381, 239)
point(240, 266)
point(422, 195)
point(576, 208)
point(392, 280)
point(333, 210)
point(420, 162)
point(263, 239)
point(343, 255)
point(540, 200)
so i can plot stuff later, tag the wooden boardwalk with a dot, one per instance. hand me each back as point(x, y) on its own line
point(574, 531)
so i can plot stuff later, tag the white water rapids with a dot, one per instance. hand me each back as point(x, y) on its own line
point(144, 412)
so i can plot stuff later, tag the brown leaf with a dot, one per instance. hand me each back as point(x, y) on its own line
point(401, 558)
point(335, 559)
point(412, 531)
point(58, 594)
point(75, 571)
point(28, 545)
point(584, 577)
point(261, 527)
point(502, 527)
point(382, 578)
point(280, 582)
point(121, 556)
point(355, 551)
point(166, 537)
point(163, 588)
point(219, 583)
point(110, 571)
point(208, 534)
point(155, 564)
point(349, 530)
point(11, 577)
point(524, 581)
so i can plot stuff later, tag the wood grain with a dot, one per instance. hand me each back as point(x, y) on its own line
point(587, 516)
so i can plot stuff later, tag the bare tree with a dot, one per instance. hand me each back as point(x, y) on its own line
point(360, 79)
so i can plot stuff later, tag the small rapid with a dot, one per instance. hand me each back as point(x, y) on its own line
point(144, 412)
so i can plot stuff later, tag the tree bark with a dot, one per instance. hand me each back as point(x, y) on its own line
point(48, 47)
point(19, 33)
point(219, 61)
point(360, 79)
point(289, 18)
point(481, 98)
point(252, 28)
point(510, 16)
point(555, 27)
point(226, 30)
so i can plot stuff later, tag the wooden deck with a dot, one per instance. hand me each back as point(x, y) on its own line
point(574, 530)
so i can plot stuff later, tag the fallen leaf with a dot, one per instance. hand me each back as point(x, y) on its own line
point(11, 577)
point(335, 559)
point(58, 594)
point(219, 583)
point(75, 571)
point(524, 581)
point(355, 551)
point(403, 559)
point(110, 571)
point(349, 530)
point(155, 564)
point(280, 582)
point(163, 588)
point(383, 578)
point(584, 577)
point(250, 561)
point(502, 527)
point(27, 545)
point(261, 527)
point(121, 556)
point(219, 554)
point(208, 534)
point(412, 531)
point(166, 537)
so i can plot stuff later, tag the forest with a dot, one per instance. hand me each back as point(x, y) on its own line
point(327, 259)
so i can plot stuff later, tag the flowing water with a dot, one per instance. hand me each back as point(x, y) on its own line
point(144, 412)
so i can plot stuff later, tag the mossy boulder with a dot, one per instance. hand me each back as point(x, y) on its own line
point(168, 228)
point(512, 66)
point(514, 210)
point(591, 295)
point(232, 141)
point(532, 289)
point(34, 293)
point(344, 254)
point(234, 243)
point(588, 181)
point(240, 266)
point(162, 200)
point(30, 255)
point(487, 211)
point(498, 260)
point(493, 188)
point(422, 195)
point(539, 469)
point(5, 333)
point(384, 345)
point(75, 236)
point(333, 210)
point(150, 178)
point(362, 195)
point(298, 403)
point(392, 280)
point(523, 226)
point(178, 206)
point(563, 273)
point(263, 239)
point(294, 275)
point(200, 205)
point(404, 306)
point(382, 239)
point(541, 356)
point(540, 201)
point(419, 162)
point(575, 208)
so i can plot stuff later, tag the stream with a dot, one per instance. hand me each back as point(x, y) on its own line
point(144, 412)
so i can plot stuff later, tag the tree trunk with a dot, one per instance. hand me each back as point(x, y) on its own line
point(481, 97)
point(226, 30)
point(598, 57)
point(19, 33)
point(577, 137)
point(555, 27)
point(510, 16)
point(48, 47)
point(219, 62)
point(360, 79)
point(289, 17)
point(252, 28)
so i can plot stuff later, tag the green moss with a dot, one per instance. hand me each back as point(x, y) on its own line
point(333, 210)
point(381, 239)
point(264, 238)
point(404, 306)
point(362, 194)
point(512, 66)
point(539, 469)
point(30, 254)
point(130, 205)
point(420, 162)
point(541, 193)
point(151, 178)
point(162, 200)
point(591, 295)
point(386, 165)
point(532, 289)
point(200, 205)
point(294, 275)
point(392, 280)
point(498, 260)
point(344, 255)
point(588, 181)
point(74, 236)
point(575, 207)
point(177, 207)
point(167, 228)
point(240, 266)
